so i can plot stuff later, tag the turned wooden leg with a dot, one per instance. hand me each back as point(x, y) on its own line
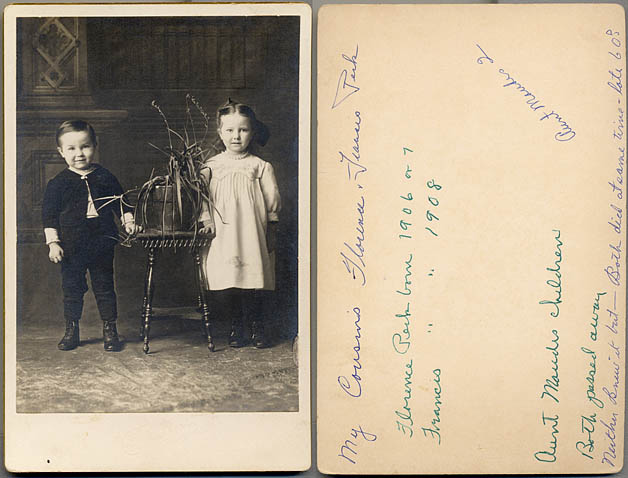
point(199, 299)
point(200, 278)
point(144, 307)
point(147, 303)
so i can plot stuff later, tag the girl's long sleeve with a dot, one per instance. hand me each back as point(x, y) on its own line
point(206, 207)
point(270, 191)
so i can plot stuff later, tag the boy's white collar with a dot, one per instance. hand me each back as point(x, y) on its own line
point(81, 172)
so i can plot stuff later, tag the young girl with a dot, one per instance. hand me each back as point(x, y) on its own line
point(245, 203)
point(78, 218)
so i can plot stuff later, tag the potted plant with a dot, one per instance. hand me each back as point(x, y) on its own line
point(172, 201)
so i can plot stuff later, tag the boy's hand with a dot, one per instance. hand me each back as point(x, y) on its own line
point(271, 236)
point(131, 228)
point(55, 253)
point(206, 228)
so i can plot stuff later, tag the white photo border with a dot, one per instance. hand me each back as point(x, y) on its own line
point(157, 442)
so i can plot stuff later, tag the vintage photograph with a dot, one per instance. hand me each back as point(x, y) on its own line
point(157, 206)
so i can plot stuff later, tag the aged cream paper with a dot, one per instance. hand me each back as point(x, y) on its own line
point(158, 442)
point(471, 238)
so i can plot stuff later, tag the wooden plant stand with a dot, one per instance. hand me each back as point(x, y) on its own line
point(153, 242)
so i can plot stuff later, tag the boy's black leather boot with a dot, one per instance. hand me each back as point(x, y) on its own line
point(71, 338)
point(110, 336)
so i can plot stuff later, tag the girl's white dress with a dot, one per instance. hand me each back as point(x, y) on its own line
point(245, 197)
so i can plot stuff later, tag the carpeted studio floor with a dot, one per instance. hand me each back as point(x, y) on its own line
point(179, 374)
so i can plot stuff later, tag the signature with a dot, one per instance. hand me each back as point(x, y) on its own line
point(346, 81)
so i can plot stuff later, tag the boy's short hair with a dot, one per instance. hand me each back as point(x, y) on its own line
point(75, 126)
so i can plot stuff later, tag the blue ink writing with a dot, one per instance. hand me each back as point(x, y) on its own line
point(354, 160)
point(615, 222)
point(616, 42)
point(350, 445)
point(356, 250)
point(346, 85)
point(354, 390)
point(610, 454)
point(612, 271)
point(481, 59)
point(616, 80)
point(612, 394)
point(614, 348)
point(617, 183)
point(565, 132)
point(619, 132)
point(614, 321)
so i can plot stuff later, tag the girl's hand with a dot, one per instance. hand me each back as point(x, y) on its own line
point(131, 228)
point(55, 253)
point(271, 236)
point(206, 228)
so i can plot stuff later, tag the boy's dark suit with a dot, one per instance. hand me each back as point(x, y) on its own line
point(88, 244)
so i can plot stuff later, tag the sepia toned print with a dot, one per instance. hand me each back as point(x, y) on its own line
point(119, 304)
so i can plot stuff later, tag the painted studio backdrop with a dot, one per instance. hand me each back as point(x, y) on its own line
point(108, 71)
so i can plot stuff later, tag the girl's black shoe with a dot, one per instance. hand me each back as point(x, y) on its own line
point(259, 337)
point(236, 339)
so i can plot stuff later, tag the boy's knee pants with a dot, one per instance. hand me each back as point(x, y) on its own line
point(74, 284)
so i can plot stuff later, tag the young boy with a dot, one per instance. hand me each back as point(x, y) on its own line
point(78, 218)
